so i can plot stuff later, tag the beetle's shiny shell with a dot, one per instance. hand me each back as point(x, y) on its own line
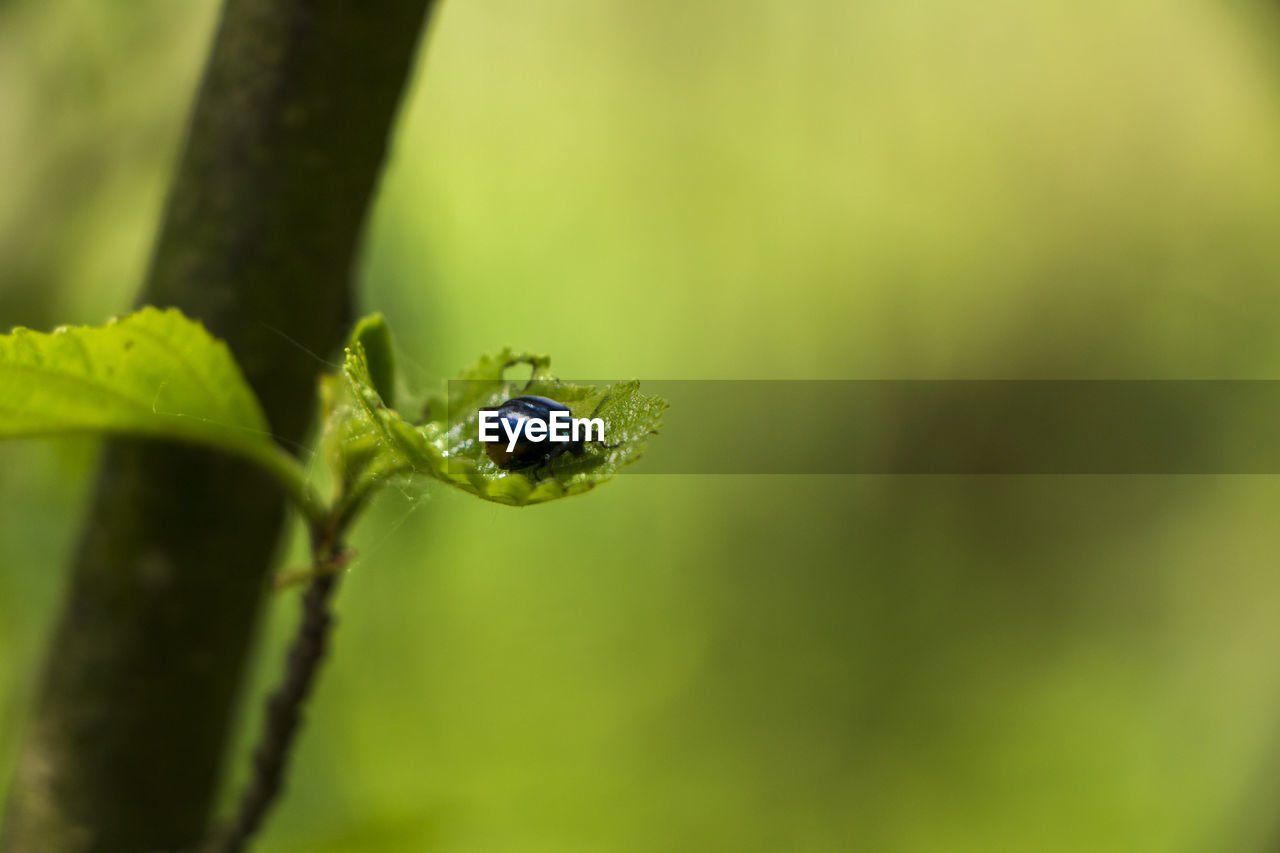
point(516, 412)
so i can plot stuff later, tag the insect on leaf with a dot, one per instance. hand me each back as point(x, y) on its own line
point(376, 442)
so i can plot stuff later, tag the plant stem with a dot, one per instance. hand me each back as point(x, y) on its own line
point(259, 240)
point(293, 479)
point(283, 714)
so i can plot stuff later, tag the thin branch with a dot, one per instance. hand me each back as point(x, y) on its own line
point(296, 577)
point(283, 714)
point(259, 239)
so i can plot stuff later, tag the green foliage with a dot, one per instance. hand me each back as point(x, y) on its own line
point(373, 441)
point(158, 374)
point(154, 373)
point(374, 337)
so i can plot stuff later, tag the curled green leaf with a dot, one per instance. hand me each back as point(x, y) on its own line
point(372, 334)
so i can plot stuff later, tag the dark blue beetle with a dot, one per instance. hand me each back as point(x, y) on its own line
point(527, 454)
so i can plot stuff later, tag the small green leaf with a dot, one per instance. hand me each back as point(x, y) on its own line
point(369, 441)
point(154, 373)
point(151, 373)
point(372, 334)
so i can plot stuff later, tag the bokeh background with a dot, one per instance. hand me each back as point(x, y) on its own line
point(816, 189)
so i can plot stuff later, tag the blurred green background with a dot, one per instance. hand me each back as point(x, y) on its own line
point(912, 189)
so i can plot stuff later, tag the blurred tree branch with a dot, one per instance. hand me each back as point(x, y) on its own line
point(287, 138)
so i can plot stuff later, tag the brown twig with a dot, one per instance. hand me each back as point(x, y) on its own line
point(295, 577)
point(283, 715)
